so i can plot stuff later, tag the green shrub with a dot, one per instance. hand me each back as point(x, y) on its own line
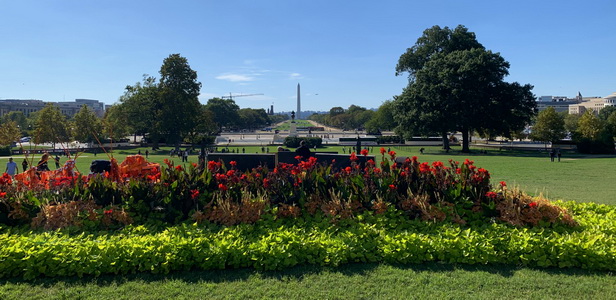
point(311, 142)
point(277, 243)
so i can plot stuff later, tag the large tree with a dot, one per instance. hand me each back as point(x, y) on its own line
point(457, 85)
point(51, 126)
point(19, 118)
point(137, 109)
point(9, 133)
point(550, 126)
point(88, 127)
point(225, 112)
point(178, 99)
point(115, 123)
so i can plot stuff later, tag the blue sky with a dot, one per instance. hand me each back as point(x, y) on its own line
point(341, 52)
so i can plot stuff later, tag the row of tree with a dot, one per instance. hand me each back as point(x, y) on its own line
point(167, 110)
point(593, 133)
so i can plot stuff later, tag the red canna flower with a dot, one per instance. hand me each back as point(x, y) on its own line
point(167, 162)
point(108, 212)
point(233, 163)
point(392, 187)
point(194, 165)
point(266, 183)
point(424, 167)
point(178, 167)
point(364, 152)
point(392, 153)
point(353, 157)
point(503, 184)
point(222, 187)
point(2, 194)
point(532, 204)
point(194, 194)
point(402, 173)
point(383, 151)
point(491, 195)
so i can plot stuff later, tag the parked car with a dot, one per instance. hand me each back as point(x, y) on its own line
point(25, 139)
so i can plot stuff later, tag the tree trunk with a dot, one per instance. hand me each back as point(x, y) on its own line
point(465, 141)
point(445, 140)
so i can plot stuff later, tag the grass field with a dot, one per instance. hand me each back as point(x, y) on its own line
point(355, 281)
point(576, 177)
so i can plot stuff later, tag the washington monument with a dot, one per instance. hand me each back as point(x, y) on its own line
point(298, 112)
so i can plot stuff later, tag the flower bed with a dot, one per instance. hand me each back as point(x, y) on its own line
point(294, 214)
point(459, 192)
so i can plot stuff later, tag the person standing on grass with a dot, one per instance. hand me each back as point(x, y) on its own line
point(24, 164)
point(552, 153)
point(11, 167)
point(558, 155)
point(303, 150)
point(57, 160)
point(42, 164)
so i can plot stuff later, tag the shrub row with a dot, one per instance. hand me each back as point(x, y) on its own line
point(276, 243)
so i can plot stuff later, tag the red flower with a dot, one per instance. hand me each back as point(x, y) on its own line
point(298, 157)
point(166, 161)
point(211, 165)
point(233, 163)
point(364, 152)
point(392, 153)
point(178, 167)
point(402, 174)
point(353, 157)
point(2, 194)
point(437, 164)
point(266, 183)
point(424, 167)
point(194, 194)
point(109, 212)
point(532, 204)
point(491, 195)
point(348, 169)
point(194, 165)
point(222, 187)
point(383, 150)
point(503, 184)
point(392, 187)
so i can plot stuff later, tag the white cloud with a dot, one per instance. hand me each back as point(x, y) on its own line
point(235, 77)
point(295, 76)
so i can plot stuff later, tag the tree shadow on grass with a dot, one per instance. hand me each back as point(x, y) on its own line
point(296, 273)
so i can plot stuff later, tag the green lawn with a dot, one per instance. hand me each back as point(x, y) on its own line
point(354, 281)
point(576, 177)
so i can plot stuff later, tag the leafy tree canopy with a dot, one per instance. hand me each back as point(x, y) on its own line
point(455, 84)
point(88, 127)
point(550, 126)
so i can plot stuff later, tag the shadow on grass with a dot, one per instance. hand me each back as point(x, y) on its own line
point(297, 272)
